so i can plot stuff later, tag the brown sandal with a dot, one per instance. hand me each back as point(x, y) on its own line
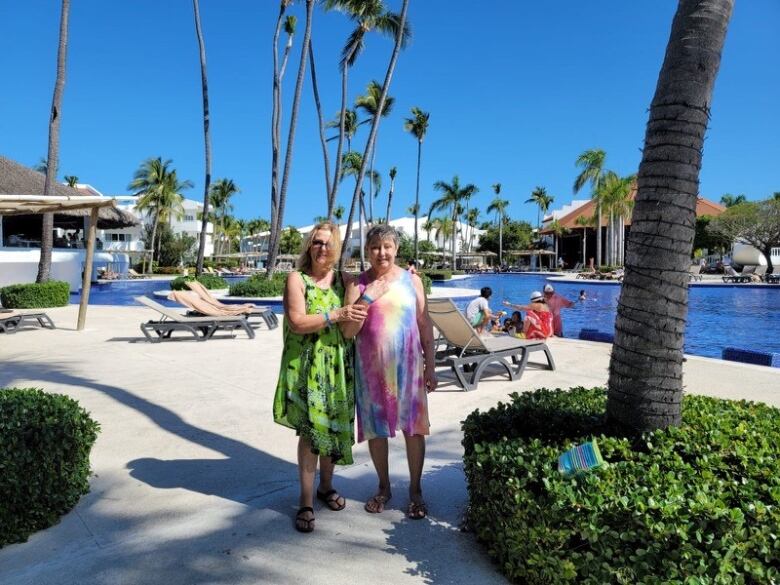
point(331, 500)
point(417, 510)
point(304, 524)
point(379, 501)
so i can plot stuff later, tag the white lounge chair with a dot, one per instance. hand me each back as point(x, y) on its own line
point(469, 355)
point(202, 328)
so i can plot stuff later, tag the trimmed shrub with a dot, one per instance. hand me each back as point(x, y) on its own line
point(210, 281)
point(426, 280)
point(699, 503)
point(54, 293)
point(439, 274)
point(167, 269)
point(258, 285)
point(45, 440)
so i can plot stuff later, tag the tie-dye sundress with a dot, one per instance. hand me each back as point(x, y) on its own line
point(315, 392)
point(389, 383)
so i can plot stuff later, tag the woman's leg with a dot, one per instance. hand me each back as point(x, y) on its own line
point(415, 455)
point(307, 468)
point(334, 501)
point(379, 450)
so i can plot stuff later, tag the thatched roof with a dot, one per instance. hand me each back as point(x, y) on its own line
point(16, 179)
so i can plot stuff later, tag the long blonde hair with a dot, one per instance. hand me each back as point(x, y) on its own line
point(304, 263)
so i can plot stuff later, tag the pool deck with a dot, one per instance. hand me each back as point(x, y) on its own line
point(195, 484)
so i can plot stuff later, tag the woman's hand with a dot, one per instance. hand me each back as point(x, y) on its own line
point(351, 313)
point(376, 289)
point(430, 379)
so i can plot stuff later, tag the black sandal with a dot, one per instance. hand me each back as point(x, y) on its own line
point(331, 500)
point(299, 520)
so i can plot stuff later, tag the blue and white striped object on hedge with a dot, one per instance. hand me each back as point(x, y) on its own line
point(582, 458)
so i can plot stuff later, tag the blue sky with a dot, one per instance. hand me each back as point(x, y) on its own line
point(516, 90)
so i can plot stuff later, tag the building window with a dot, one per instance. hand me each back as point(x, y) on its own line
point(189, 218)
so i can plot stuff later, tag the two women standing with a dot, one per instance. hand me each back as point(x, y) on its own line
point(385, 310)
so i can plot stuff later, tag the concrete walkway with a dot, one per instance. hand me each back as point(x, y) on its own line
point(195, 484)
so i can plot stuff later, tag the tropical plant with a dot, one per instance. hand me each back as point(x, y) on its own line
point(71, 180)
point(557, 230)
point(592, 164)
point(542, 200)
point(614, 198)
point(221, 192)
point(515, 235)
point(645, 372)
point(729, 200)
point(321, 126)
point(53, 155)
point(453, 195)
point(368, 16)
point(393, 173)
point(255, 226)
point(499, 206)
point(351, 125)
point(584, 222)
point(206, 138)
point(472, 217)
point(417, 126)
point(754, 222)
point(277, 206)
point(159, 193)
point(291, 241)
point(428, 225)
point(338, 214)
point(369, 103)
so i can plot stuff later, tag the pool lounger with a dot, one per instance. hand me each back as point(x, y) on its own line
point(11, 322)
point(202, 328)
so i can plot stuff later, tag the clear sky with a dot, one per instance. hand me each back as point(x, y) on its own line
point(516, 90)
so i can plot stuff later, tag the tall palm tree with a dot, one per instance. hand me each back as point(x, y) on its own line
point(351, 125)
point(257, 225)
point(321, 126)
point(444, 229)
point(729, 200)
point(402, 33)
point(206, 139)
point(453, 195)
point(472, 220)
point(417, 125)
point(352, 163)
point(557, 230)
point(498, 206)
point(159, 193)
point(429, 225)
point(221, 192)
point(592, 164)
point(338, 214)
point(369, 103)
point(645, 371)
point(368, 16)
point(584, 222)
point(541, 199)
point(393, 173)
point(276, 228)
point(53, 156)
point(276, 103)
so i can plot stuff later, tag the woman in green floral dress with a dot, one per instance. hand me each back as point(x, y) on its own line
point(315, 393)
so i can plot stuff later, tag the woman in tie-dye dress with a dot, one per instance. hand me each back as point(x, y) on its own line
point(395, 367)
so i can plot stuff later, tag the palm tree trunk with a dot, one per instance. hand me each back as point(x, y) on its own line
point(342, 130)
point(275, 115)
point(584, 247)
point(377, 116)
point(389, 200)
point(362, 219)
point(274, 249)
point(53, 154)
point(454, 234)
point(417, 204)
point(645, 372)
point(371, 193)
point(154, 237)
point(321, 123)
point(598, 235)
point(206, 138)
point(500, 239)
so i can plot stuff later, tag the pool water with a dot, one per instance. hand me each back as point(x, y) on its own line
point(718, 316)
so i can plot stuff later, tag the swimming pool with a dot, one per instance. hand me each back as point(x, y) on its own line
point(718, 316)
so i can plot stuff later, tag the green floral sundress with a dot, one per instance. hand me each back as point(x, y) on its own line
point(315, 394)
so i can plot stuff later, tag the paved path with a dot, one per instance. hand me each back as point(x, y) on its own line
point(194, 483)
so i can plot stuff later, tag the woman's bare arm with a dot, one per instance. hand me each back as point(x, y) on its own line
point(295, 309)
point(426, 335)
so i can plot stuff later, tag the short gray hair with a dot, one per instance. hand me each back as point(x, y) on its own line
point(382, 231)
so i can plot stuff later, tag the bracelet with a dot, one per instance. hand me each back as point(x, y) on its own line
point(328, 322)
point(367, 298)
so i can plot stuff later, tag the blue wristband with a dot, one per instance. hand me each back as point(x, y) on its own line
point(367, 298)
point(328, 322)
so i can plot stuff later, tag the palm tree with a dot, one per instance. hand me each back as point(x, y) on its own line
point(499, 206)
point(592, 163)
point(53, 156)
point(350, 127)
point(369, 103)
point(645, 371)
point(557, 230)
point(729, 200)
point(221, 192)
point(428, 225)
point(159, 193)
point(276, 226)
point(353, 162)
point(452, 197)
point(276, 104)
point(393, 172)
point(444, 229)
point(321, 126)
point(417, 125)
point(584, 222)
point(71, 180)
point(402, 34)
point(472, 220)
point(338, 214)
point(542, 201)
point(368, 15)
point(206, 139)
point(255, 226)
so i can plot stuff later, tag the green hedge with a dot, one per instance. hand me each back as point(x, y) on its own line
point(54, 293)
point(426, 280)
point(167, 269)
point(439, 274)
point(694, 504)
point(210, 281)
point(258, 285)
point(45, 440)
